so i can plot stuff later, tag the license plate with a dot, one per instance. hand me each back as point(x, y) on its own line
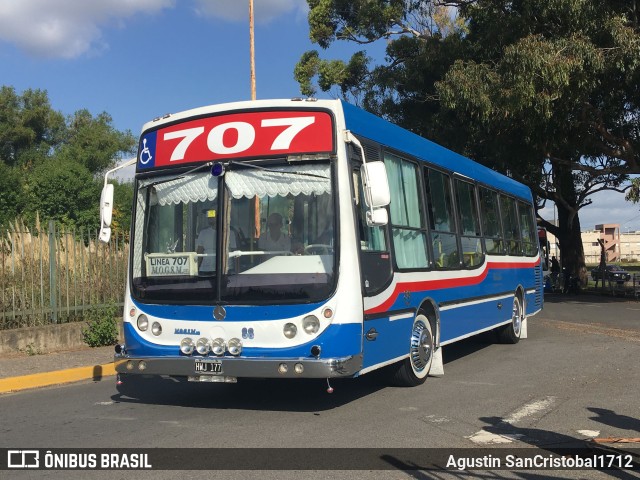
point(213, 367)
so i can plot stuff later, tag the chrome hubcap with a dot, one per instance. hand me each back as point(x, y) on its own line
point(421, 346)
point(516, 317)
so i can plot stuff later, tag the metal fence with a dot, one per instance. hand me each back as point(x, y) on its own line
point(51, 275)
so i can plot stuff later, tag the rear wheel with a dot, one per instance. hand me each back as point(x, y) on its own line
point(511, 333)
point(413, 371)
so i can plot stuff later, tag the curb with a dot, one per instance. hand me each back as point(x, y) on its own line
point(36, 380)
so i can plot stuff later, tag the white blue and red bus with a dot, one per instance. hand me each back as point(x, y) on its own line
point(312, 239)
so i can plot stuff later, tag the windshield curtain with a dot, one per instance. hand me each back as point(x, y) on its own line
point(274, 226)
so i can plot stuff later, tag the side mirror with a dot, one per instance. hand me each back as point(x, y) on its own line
point(376, 184)
point(377, 217)
point(106, 212)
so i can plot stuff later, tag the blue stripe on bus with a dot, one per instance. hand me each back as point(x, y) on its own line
point(235, 313)
point(336, 341)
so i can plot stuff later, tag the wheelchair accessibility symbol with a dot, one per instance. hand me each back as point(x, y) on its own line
point(145, 154)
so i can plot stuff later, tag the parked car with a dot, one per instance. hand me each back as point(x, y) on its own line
point(612, 273)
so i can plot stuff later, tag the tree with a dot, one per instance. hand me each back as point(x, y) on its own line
point(10, 195)
point(94, 142)
point(65, 191)
point(29, 127)
point(48, 165)
point(547, 91)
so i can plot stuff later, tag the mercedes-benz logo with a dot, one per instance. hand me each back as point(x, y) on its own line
point(219, 313)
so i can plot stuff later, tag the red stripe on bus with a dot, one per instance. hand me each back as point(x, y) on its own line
point(440, 284)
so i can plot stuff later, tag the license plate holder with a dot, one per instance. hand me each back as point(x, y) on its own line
point(207, 367)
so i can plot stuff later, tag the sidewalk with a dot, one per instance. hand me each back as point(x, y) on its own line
point(19, 372)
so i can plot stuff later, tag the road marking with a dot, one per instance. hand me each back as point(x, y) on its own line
point(487, 438)
point(435, 419)
point(530, 409)
point(589, 433)
point(408, 409)
point(484, 437)
point(103, 403)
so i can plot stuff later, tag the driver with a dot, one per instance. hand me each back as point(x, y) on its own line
point(273, 239)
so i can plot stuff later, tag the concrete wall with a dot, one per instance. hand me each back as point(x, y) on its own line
point(45, 339)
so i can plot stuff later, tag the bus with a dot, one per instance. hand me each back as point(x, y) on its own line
point(312, 239)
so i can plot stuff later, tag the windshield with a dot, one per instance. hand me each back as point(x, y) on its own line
point(275, 228)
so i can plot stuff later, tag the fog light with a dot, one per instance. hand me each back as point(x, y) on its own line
point(143, 323)
point(299, 368)
point(311, 324)
point(142, 365)
point(132, 312)
point(202, 346)
point(290, 330)
point(187, 346)
point(234, 346)
point(282, 368)
point(218, 347)
point(156, 328)
point(129, 365)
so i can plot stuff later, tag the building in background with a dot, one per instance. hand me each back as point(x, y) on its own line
point(619, 246)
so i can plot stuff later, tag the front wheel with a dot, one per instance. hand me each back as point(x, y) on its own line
point(413, 371)
point(511, 332)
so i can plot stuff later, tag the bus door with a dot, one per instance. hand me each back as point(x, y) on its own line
point(376, 273)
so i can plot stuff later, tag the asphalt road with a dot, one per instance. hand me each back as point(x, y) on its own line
point(574, 378)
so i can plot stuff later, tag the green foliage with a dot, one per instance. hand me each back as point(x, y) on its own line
point(102, 328)
point(122, 201)
point(65, 191)
point(10, 194)
point(547, 91)
point(29, 128)
point(48, 166)
point(93, 142)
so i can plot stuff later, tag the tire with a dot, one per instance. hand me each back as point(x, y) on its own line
point(413, 371)
point(510, 334)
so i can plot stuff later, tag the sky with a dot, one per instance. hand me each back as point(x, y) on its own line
point(140, 59)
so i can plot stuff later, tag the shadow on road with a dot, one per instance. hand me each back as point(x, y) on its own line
point(585, 298)
point(560, 444)
point(611, 418)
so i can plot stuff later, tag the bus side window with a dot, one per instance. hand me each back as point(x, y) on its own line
point(491, 225)
point(407, 220)
point(509, 217)
point(444, 238)
point(527, 229)
point(472, 252)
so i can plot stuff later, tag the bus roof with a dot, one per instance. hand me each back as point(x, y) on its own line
point(373, 128)
point(388, 134)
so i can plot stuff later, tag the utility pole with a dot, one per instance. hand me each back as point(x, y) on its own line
point(252, 51)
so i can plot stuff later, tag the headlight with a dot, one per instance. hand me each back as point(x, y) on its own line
point(187, 346)
point(218, 347)
point(156, 328)
point(290, 330)
point(202, 346)
point(311, 324)
point(143, 323)
point(234, 346)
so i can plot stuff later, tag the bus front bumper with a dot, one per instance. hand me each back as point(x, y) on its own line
point(230, 368)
